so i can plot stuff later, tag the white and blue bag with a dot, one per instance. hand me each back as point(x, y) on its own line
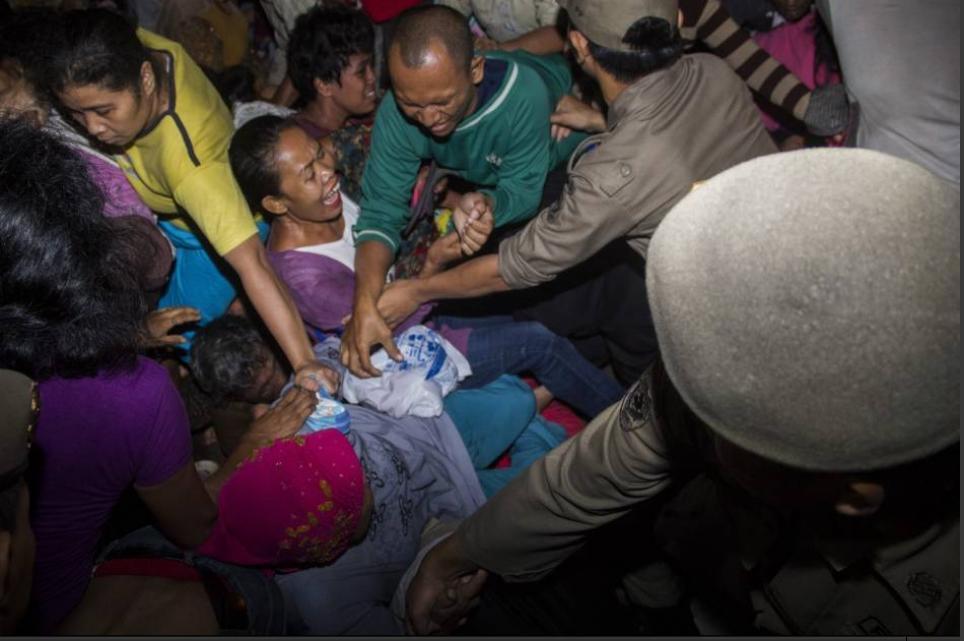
point(432, 367)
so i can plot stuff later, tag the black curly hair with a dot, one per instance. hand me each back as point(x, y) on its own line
point(226, 356)
point(70, 302)
point(321, 43)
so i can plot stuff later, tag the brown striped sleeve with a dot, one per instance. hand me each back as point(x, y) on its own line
point(710, 22)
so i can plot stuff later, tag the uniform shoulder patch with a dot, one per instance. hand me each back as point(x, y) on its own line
point(636, 408)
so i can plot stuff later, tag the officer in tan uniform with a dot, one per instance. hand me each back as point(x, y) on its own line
point(673, 120)
point(805, 410)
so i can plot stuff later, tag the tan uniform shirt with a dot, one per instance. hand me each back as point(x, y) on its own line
point(633, 451)
point(667, 131)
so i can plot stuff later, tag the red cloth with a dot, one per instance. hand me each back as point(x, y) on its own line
point(153, 566)
point(382, 10)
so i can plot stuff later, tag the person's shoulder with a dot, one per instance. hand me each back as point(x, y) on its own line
point(548, 72)
point(713, 68)
point(298, 264)
point(147, 375)
point(387, 111)
point(391, 124)
point(158, 42)
point(523, 73)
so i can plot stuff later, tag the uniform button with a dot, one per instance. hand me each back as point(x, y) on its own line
point(625, 169)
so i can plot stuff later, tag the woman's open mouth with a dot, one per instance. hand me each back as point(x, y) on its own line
point(333, 195)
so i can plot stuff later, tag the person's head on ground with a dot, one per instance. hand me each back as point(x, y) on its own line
point(71, 304)
point(231, 360)
point(625, 39)
point(434, 69)
point(330, 60)
point(284, 172)
point(104, 77)
point(818, 334)
point(18, 408)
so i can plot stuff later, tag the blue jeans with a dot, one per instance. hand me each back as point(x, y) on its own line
point(500, 345)
point(198, 279)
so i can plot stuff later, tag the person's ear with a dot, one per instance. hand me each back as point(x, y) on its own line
point(580, 45)
point(274, 205)
point(477, 69)
point(148, 79)
point(860, 499)
point(323, 88)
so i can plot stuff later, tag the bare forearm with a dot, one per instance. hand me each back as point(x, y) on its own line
point(472, 279)
point(372, 261)
point(272, 302)
point(442, 252)
point(541, 41)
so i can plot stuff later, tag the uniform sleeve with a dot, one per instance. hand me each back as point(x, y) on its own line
point(523, 169)
point(167, 444)
point(388, 179)
point(711, 23)
point(598, 205)
point(211, 197)
point(544, 515)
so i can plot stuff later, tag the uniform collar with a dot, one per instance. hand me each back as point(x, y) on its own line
point(645, 96)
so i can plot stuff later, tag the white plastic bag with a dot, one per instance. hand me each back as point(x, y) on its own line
point(432, 367)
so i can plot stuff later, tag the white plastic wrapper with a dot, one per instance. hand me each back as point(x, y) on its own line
point(432, 367)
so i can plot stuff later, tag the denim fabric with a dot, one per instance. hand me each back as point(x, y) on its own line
point(198, 279)
point(499, 345)
point(265, 603)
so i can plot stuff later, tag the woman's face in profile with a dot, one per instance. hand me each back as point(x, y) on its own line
point(310, 187)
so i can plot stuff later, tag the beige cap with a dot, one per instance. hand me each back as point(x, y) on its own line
point(605, 22)
point(808, 308)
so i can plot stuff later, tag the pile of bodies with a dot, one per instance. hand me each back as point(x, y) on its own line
point(690, 271)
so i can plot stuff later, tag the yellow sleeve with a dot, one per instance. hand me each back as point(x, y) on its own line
point(211, 197)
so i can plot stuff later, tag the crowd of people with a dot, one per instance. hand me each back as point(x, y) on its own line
point(479, 317)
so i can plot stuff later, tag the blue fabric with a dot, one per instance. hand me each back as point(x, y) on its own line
point(500, 345)
point(537, 439)
point(500, 417)
point(491, 418)
point(198, 279)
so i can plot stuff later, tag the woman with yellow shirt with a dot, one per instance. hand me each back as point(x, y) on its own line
point(142, 96)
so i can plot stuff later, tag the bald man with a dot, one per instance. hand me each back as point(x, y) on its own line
point(486, 118)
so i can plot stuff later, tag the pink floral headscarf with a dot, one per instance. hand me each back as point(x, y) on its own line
point(296, 502)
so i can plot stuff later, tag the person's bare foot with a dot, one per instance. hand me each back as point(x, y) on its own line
point(543, 397)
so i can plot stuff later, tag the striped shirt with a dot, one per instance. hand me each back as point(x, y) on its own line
point(709, 22)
